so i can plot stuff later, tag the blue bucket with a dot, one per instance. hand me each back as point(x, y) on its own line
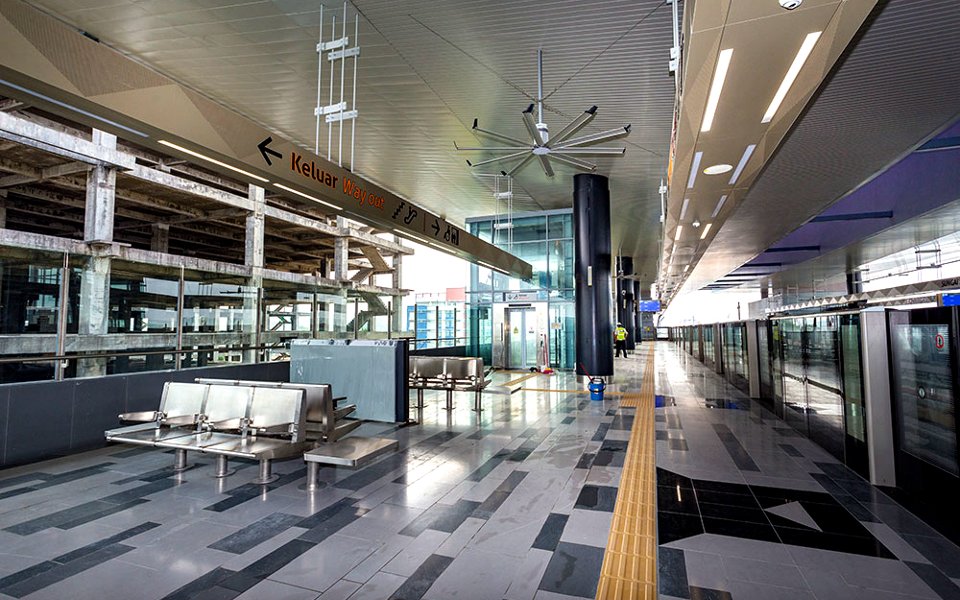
point(596, 387)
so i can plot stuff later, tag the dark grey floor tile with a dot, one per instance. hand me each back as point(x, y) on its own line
point(489, 465)
point(597, 497)
point(63, 571)
point(601, 432)
point(454, 516)
point(735, 449)
point(938, 550)
point(276, 560)
point(256, 533)
point(700, 593)
point(678, 444)
point(586, 460)
point(113, 539)
point(332, 524)
point(574, 570)
point(426, 574)
point(106, 511)
point(790, 450)
point(550, 532)
point(491, 504)
point(191, 590)
point(937, 581)
point(672, 573)
point(607, 458)
point(567, 420)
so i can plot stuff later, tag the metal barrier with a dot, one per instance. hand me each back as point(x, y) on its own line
point(449, 374)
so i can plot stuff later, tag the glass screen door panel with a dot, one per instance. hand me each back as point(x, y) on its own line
point(521, 329)
point(923, 388)
point(824, 397)
point(854, 411)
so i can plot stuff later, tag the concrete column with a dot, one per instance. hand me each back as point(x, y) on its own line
point(341, 254)
point(3, 209)
point(397, 283)
point(591, 225)
point(101, 192)
point(253, 258)
point(625, 299)
point(94, 306)
point(160, 237)
point(876, 389)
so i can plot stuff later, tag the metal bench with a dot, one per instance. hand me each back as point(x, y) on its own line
point(449, 374)
point(326, 419)
point(262, 424)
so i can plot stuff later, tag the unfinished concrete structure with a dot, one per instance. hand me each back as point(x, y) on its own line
point(108, 249)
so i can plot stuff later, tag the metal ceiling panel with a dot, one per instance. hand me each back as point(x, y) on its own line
point(428, 68)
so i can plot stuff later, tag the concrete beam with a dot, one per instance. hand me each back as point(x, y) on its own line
point(187, 186)
point(160, 237)
point(25, 132)
point(43, 174)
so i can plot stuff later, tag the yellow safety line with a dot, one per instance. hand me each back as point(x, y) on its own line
point(629, 570)
point(520, 379)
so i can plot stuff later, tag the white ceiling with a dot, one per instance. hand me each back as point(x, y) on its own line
point(427, 69)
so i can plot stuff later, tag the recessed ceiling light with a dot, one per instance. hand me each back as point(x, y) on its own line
point(683, 209)
point(743, 163)
point(694, 168)
point(717, 169)
point(307, 196)
point(802, 55)
point(676, 236)
point(723, 64)
point(686, 268)
point(716, 211)
point(706, 230)
point(211, 160)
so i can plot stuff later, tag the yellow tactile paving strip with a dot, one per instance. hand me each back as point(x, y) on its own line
point(522, 379)
point(629, 569)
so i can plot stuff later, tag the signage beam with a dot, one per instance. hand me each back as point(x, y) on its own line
point(104, 89)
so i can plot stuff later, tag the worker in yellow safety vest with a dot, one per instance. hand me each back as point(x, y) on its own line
point(620, 339)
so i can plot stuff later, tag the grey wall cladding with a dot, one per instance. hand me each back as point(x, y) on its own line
point(52, 418)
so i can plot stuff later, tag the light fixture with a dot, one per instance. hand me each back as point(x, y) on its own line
point(683, 208)
point(676, 236)
point(706, 230)
point(694, 169)
point(212, 160)
point(718, 169)
point(716, 211)
point(491, 267)
point(307, 196)
point(723, 64)
point(743, 163)
point(802, 55)
point(686, 268)
point(72, 108)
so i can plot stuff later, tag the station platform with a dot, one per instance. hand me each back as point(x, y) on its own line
point(546, 496)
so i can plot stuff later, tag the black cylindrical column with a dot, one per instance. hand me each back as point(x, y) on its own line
point(625, 309)
point(638, 316)
point(591, 224)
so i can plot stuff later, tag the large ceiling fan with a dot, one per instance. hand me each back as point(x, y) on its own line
point(563, 147)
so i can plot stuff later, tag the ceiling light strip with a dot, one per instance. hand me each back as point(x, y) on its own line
point(716, 211)
point(676, 236)
point(719, 76)
point(743, 163)
point(802, 55)
point(683, 209)
point(307, 196)
point(212, 160)
point(693, 170)
point(706, 230)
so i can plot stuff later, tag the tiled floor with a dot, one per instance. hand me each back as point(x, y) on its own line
point(515, 506)
point(748, 509)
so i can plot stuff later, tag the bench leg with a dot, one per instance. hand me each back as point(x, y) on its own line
point(477, 407)
point(313, 472)
point(266, 473)
point(449, 405)
point(419, 398)
point(180, 461)
point(223, 467)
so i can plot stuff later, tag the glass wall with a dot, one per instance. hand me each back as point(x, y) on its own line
point(545, 240)
point(734, 350)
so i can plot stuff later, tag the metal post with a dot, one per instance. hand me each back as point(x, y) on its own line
point(180, 461)
point(356, 318)
point(454, 326)
point(62, 315)
point(353, 104)
point(178, 359)
point(436, 325)
point(319, 111)
point(265, 475)
point(389, 319)
point(540, 85)
point(333, 35)
point(260, 320)
point(314, 317)
point(343, 67)
point(223, 467)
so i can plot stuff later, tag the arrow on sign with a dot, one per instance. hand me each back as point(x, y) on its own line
point(264, 151)
point(436, 227)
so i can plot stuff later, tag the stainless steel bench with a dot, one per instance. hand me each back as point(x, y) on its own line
point(262, 424)
point(449, 374)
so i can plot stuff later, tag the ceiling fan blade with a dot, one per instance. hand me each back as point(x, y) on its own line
point(497, 136)
point(545, 163)
point(491, 148)
point(497, 159)
point(596, 138)
point(574, 162)
point(588, 151)
point(574, 126)
point(531, 126)
point(520, 165)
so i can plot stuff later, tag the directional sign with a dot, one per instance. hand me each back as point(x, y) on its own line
point(156, 112)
